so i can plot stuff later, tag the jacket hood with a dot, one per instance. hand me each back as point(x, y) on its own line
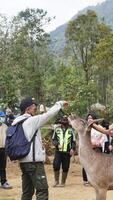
point(20, 118)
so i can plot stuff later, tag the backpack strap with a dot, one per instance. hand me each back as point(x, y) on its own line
point(34, 135)
point(33, 140)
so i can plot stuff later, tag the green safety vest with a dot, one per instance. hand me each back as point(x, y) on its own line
point(64, 138)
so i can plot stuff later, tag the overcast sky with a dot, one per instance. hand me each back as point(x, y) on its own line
point(63, 10)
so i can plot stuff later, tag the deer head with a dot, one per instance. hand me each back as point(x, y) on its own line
point(80, 124)
point(77, 123)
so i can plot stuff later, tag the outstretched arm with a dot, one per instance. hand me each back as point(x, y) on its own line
point(103, 130)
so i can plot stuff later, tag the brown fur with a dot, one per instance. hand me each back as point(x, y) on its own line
point(98, 166)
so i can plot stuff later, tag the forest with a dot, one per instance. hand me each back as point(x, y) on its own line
point(82, 74)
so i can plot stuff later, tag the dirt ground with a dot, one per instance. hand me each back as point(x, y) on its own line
point(74, 189)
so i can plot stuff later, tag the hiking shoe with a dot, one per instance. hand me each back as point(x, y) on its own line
point(6, 186)
point(56, 184)
point(86, 183)
point(62, 185)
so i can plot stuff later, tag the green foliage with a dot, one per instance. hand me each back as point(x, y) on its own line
point(8, 82)
point(85, 96)
point(104, 72)
point(105, 57)
point(82, 35)
point(82, 76)
point(110, 111)
point(24, 55)
point(33, 42)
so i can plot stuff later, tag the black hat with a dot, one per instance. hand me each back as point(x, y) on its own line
point(25, 103)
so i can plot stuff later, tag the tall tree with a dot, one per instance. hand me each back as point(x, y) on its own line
point(30, 50)
point(8, 87)
point(82, 35)
point(104, 71)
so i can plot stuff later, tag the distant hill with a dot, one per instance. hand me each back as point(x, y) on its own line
point(104, 12)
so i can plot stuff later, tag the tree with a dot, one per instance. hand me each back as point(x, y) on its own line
point(30, 50)
point(104, 71)
point(82, 34)
point(8, 86)
point(24, 55)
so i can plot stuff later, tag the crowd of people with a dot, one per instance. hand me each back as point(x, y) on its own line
point(63, 138)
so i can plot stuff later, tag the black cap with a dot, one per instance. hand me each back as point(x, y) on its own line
point(25, 103)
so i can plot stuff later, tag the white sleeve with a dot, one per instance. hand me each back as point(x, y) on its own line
point(36, 122)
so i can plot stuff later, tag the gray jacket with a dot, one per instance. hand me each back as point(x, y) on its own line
point(34, 123)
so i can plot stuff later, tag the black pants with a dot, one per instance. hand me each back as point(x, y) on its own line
point(2, 166)
point(106, 150)
point(34, 178)
point(63, 159)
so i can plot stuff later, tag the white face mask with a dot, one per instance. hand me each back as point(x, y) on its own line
point(2, 119)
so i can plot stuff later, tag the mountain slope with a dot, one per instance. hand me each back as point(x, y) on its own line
point(104, 12)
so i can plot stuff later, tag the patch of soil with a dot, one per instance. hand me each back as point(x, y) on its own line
point(74, 188)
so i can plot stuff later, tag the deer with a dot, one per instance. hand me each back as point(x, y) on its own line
point(98, 166)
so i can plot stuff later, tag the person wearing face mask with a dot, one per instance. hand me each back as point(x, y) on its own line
point(64, 141)
point(3, 157)
point(9, 117)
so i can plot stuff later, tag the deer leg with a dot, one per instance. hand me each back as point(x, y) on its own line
point(101, 194)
